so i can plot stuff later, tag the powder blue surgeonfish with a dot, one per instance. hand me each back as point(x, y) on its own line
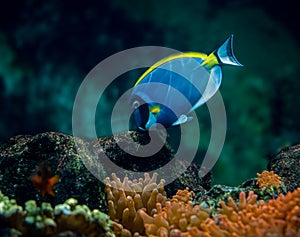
point(178, 84)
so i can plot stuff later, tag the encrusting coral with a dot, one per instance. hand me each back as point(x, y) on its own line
point(10, 213)
point(46, 221)
point(270, 185)
point(79, 219)
point(268, 179)
point(179, 217)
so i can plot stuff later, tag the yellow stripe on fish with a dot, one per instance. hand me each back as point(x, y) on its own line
point(170, 58)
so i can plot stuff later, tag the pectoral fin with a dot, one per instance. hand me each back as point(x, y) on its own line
point(152, 120)
point(182, 119)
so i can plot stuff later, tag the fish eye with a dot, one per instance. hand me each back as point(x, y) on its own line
point(135, 104)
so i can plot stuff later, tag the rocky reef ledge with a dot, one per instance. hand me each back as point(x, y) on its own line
point(20, 156)
point(80, 199)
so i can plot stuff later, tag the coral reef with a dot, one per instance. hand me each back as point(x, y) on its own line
point(267, 185)
point(140, 207)
point(20, 155)
point(278, 217)
point(180, 217)
point(46, 221)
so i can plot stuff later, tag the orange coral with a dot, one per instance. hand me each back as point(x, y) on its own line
point(184, 195)
point(268, 179)
point(178, 217)
point(175, 219)
point(127, 197)
point(278, 217)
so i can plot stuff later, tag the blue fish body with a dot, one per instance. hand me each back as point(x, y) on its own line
point(173, 87)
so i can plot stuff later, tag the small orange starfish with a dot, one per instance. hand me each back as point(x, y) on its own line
point(43, 180)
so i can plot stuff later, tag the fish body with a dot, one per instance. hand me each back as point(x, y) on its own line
point(43, 179)
point(176, 85)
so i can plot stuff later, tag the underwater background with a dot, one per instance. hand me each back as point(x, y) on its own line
point(48, 47)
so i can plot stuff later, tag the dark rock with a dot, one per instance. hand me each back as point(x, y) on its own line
point(69, 157)
point(20, 156)
point(189, 178)
point(287, 165)
point(189, 171)
point(217, 194)
point(126, 158)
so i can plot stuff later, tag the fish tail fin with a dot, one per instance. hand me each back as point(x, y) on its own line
point(225, 53)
